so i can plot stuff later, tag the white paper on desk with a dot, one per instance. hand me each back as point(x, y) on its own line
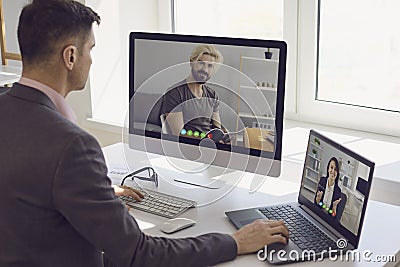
point(8, 73)
point(117, 172)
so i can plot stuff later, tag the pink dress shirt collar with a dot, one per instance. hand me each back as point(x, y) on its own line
point(58, 100)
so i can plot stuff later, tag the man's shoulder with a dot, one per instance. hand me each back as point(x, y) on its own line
point(43, 117)
point(177, 87)
point(177, 91)
point(67, 130)
point(71, 128)
point(209, 91)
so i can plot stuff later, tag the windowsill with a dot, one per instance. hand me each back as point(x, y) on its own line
point(9, 74)
point(381, 149)
point(106, 126)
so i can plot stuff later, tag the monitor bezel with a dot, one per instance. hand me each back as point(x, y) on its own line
point(281, 45)
point(353, 239)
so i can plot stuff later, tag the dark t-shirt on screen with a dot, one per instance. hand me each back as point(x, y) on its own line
point(197, 112)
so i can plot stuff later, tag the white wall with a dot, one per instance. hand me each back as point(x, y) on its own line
point(12, 9)
point(109, 73)
point(80, 101)
point(110, 62)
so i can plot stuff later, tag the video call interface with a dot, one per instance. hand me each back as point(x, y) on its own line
point(335, 182)
point(224, 93)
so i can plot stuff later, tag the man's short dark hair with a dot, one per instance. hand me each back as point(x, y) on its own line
point(43, 23)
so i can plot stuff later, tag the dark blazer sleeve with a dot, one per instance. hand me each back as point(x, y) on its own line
point(321, 187)
point(337, 193)
point(82, 192)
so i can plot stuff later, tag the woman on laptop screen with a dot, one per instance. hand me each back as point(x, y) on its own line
point(328, 193)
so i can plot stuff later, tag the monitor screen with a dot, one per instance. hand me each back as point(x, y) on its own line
point(332, 178)
point(222, 94)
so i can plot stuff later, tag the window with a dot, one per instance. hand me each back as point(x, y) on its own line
point(351, 81)
point(109, 71)
point(260, 19)
point(254, 19)
point(359, 55)
point(348, 78)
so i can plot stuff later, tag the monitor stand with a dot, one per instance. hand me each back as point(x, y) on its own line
point(199, 164)
point(198, 174)
point(210, 177)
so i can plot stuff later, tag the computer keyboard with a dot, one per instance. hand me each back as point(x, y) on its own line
point(301, 231)
point(159, 203)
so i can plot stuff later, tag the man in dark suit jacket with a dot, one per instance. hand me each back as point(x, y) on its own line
point(57, 206)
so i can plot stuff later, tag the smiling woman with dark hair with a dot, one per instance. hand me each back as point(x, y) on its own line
point(328, 192)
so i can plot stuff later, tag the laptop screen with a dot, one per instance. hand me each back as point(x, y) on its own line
point(335, 184)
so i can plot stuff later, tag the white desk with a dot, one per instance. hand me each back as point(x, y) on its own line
point(9, 74)
point(380, 232)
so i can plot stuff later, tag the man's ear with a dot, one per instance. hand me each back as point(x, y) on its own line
point(70, 54)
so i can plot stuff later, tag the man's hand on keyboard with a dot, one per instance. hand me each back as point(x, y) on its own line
point(258, 234)
point(124, 190)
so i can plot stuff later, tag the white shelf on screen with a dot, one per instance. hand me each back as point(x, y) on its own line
point(262, 88)
point(249, 115)
point(260, 59)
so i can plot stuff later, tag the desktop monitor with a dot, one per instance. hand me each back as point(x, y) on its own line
point(212, 100)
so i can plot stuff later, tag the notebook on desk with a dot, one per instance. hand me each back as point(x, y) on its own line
point(330, 210)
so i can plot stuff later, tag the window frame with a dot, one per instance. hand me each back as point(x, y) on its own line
point(290, 35)
point(309, 109)
point(301, 34)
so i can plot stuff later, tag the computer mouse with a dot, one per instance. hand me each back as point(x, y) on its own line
point(176, 224)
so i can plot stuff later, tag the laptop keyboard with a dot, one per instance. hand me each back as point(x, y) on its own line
point(301, 231)
point(159, 203)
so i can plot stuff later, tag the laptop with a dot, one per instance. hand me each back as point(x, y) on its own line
point(329, 213)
